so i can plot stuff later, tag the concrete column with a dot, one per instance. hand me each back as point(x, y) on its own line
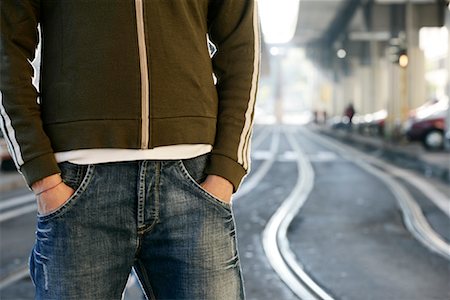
point(394, 102)
point(416, 77)
point(351, 89)
point(331, 89)
point(338, 96)
point(374, 76)
point(323, 91)
point(382, 81)
point(278, 88)
point(365, 91)
point(416, 88)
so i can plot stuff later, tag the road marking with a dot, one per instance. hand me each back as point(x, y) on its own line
point(257, 176)
point(323, 156)
point(16, 201)
point(415, 221)
point(275, 242)
point(17, 212)
point(262, 155)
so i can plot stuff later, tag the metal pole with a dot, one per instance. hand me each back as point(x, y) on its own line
point(278, 59)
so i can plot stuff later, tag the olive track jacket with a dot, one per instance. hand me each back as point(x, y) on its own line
point(133, 74)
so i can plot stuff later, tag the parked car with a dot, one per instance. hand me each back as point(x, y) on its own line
point(338, 122)
point(427, 124)
point(372, 123)
point(376, 126)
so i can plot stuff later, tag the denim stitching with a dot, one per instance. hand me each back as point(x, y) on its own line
point(80, 190)
point(211, 198)
point(155, 214)
point(141, 195)
point(157, 183)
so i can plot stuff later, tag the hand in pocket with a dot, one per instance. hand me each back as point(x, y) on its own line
point(54, 198)
point(219, 187)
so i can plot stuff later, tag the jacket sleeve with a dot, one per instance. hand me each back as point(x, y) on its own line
point(20, 119)
point(234, 30)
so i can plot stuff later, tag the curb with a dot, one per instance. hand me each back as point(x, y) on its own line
point(395, 154)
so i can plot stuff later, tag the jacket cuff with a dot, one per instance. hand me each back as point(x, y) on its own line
point(39, 168)
point(227, 168)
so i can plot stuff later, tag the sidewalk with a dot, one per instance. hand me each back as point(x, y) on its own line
point(410, 155)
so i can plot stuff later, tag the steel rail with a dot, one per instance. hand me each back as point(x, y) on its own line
point(11, 202)
point(413, 217)
point(274, 236)
point(14, 277)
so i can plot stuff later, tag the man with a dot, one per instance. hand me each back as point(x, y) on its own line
point(131, 147)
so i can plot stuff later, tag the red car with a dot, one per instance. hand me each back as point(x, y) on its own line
point(427, 124)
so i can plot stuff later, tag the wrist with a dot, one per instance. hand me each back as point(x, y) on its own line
point(219, 180)
point(46, 183)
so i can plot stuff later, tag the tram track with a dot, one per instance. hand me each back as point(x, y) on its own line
point(16, 207)
point(414, 219)
point(11, 209)
point(275, 241)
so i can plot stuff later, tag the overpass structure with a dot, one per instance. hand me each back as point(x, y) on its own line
point(368, 53)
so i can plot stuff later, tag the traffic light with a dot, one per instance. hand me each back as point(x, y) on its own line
point(403, 58)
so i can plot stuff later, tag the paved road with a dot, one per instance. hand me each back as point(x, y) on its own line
point(349, 235)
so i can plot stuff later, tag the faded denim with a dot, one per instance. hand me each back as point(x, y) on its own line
point(152, 216)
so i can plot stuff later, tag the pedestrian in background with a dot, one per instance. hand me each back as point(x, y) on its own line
point(349, 113)
point(131, 147)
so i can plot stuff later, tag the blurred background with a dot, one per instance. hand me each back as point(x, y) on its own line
point(349, 193)
point(387, 59)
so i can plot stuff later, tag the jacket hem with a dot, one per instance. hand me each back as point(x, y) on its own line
point(39, 168)
point(227, 168)
point(125, 134)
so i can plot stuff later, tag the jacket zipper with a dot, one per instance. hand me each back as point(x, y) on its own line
point(145, 139)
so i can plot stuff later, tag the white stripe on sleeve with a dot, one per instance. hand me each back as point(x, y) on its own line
point(243, 147)
point(10, 136)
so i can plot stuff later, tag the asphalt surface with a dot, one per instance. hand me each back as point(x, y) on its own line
point(252, 213)
point(351, 238)
point(349, 235)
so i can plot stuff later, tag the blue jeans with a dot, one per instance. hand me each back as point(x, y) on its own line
point(152, 216)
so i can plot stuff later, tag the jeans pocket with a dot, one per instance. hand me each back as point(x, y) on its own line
point(77, 177)
point(193, 170)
